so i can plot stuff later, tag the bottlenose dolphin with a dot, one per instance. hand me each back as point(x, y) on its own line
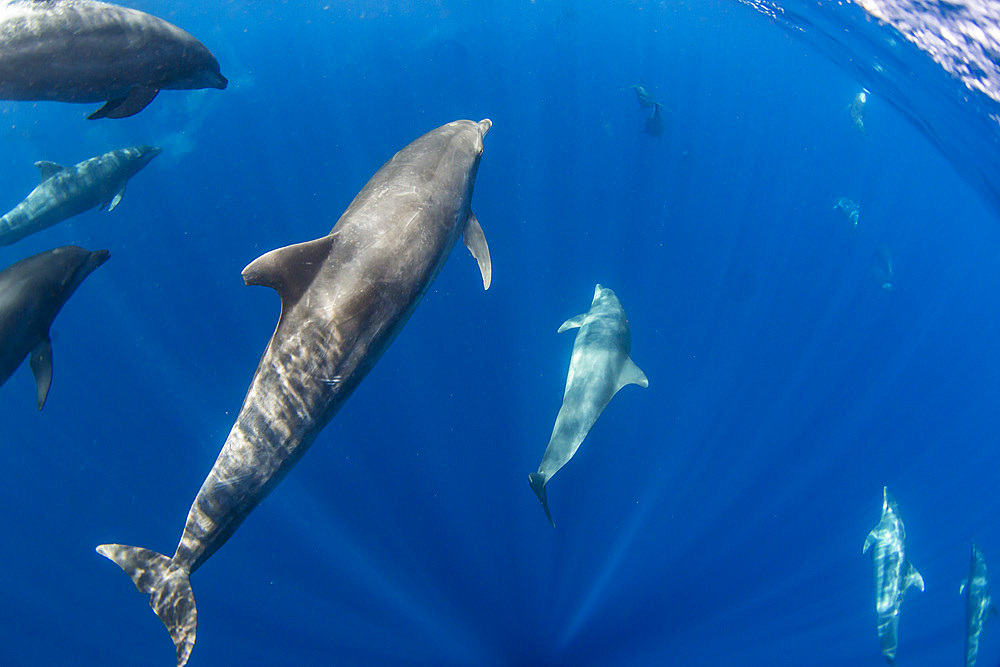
point(977, 604)
point(893, 572)
point(32, 292)
point(87, 51)
point(642, 96)
point(857, 109)
point(344, 297)
point(599, 366)
point(67, 191)
point(655, 123)
point(851, 210)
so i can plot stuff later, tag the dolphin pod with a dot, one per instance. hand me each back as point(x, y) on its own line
point(344, 297)
point(86, 51)
point(32, 292)
point(893, 573)
point(67, 191)
point(599, 366)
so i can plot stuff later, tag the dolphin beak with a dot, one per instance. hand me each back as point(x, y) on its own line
point(484, 126)
point(221, 82)
point(95, 259)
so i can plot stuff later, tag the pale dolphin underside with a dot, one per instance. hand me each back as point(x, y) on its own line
point(893, 573)
point(599, 366)
point(344, 297)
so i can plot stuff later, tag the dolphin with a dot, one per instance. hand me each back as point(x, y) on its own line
point(977, 604)
point(655, 123)
point(642, 96)
point(851, 210)
point(857, 109)
point(893, 572)
point(32, 292)
point(86, 51)
point(67, 191)
point(599, 366)
point(344, 298)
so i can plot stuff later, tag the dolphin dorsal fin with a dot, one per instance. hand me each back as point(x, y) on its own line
point(291, 269)
point(572, 323)
point(475, 241)
point(48, 169)
point(631, 374)
point(913, 578)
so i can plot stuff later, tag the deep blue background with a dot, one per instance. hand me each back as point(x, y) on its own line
point(715, 518)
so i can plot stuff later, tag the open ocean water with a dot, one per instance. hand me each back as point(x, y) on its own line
point(715, 518)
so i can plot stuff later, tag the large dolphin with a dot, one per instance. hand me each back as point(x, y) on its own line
point(977, 604)
point(32, 292)
point(599, 366)
point(893, 572)
point(67, 191)
point(86, 51)
point(344, 297)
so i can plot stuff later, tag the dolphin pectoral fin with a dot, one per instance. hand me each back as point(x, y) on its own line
point(913, 578)
point(537, 482)
point(961, 587)
point(169, 589)
point(137, 99)
point(41, 367)
point(869, 541)
point(631, 374)
point(48, 169)
point(572, 323)
point(291, 269)
point(475, 241)
point(117, 198)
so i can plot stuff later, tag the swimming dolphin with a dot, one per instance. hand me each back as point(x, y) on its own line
point(599, 366)
point(642, 95)
point(857, 109)
point(655, 123)
point(851, 210)
point(344, 297)
point(86, 51)
point(67, 191)
point(893, 573)
point(32, 292)
point(977, 603)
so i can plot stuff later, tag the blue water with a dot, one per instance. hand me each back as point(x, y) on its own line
point(715, 518)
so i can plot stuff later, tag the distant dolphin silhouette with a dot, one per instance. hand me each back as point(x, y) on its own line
point(87, 51)
point(599, 366)
point(655, 123)
point(978, 604)
point(67, 191)
point(642, 95)
point(32, 292)
point(344, 297)
point(893, 573)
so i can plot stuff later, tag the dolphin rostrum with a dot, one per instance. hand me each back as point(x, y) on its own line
point(599, 366)
point(344, 297)
point(67, 191)
point(86, 51)
point(32, 292)
point(893, 572)
point(977, 604)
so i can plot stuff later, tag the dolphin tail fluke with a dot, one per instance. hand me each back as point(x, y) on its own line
point(169, 589)
point(537, 482)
